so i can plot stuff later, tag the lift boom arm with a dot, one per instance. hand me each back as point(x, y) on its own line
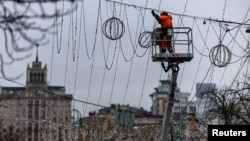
point(168, 111)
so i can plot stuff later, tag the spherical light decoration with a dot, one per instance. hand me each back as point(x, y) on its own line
point(113, 28)
point(75, 116)
point(220, 55)
point(145, 39)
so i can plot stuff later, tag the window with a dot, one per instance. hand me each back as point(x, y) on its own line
point(37, 110)
point(177, 109)
point(17, 113)
point(17, 110)
point(31, 77)
point(38, 77)
point(192, 110)
point(42, 77)
point(30, 109)
point(184, 109)
point(23, 130)
point(43, 109)
point(36, 132)
point(23, 112)
point(35, 77)
point(30, 132)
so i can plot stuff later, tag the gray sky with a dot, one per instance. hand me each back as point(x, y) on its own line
point(83, 75)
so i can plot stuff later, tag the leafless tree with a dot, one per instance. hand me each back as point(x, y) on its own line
point(232, 104)
point(23, 26)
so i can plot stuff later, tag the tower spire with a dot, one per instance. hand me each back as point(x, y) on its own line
point(36, 52)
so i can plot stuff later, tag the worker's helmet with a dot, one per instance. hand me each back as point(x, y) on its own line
point(164, 13)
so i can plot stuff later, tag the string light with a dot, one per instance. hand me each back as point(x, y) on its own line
point(220, 55)
point(113, 28)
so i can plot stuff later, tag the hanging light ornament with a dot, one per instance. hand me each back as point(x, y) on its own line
point(145, 39)
point(75, 116)
point(220, 55)
point(113, 28)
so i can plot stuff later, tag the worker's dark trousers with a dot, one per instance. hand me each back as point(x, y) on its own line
point(167, 33)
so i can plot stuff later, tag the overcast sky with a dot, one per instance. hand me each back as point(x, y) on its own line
point(129, 78)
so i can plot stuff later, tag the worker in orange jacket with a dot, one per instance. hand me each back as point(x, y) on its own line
point(165, 19)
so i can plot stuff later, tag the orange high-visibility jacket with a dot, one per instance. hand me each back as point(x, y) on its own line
point(165, 20)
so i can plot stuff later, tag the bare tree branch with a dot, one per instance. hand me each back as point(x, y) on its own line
point(23, 27)
point(232, 104)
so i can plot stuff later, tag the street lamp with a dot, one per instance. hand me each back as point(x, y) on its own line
point(248, 29)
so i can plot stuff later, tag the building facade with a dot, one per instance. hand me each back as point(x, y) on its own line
point(204, 104)
point(35, 111)
point(182, 105)
point(120, 123)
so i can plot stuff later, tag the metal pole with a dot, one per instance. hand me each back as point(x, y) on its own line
point(169, 104)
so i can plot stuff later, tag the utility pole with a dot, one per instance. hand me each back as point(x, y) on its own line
point(169, 105)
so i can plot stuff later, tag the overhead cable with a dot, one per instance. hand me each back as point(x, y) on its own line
point(184, 15)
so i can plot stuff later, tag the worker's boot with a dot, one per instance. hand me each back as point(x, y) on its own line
point(163, 50)
point(170, 51)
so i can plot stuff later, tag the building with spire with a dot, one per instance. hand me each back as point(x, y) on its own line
point(36, 75)
point(35, 111)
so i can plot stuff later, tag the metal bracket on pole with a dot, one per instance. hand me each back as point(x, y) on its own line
point(173, 66)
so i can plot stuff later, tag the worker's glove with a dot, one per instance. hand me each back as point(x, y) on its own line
point(153, 13)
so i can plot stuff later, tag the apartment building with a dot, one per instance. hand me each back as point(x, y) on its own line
point(182, 105)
